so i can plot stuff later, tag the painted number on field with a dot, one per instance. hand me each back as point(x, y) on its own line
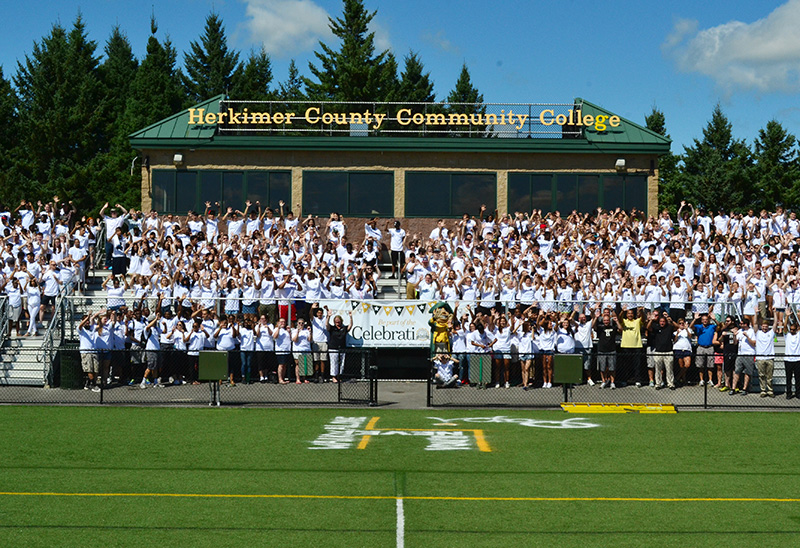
point(357, 432)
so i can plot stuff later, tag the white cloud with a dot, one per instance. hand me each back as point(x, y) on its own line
point(439, 40)
point(286, 27)
point(763, 56)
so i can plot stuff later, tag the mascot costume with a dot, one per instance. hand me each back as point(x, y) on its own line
point(440, 323)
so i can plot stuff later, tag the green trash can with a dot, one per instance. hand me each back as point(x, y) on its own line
point(71, 371)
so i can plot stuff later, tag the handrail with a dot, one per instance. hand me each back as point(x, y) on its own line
point(99, 247)
point(3, 319)
point(47, 351)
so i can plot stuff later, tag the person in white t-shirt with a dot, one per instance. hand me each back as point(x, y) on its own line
point(444, 376)
point(765, 358)
point(745, 361)
point(319, 338)
point(396, 246)
point(791, 359)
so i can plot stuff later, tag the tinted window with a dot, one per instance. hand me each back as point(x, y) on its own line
point(324, 192)
point(469, 192)
point(519, 192)
point(280, 188)
point(371, 194)
point(186, 191)
point(232, 191)
point(566, 193)
point(210, 188)
point(542, 193)
point(636, 193)
point(588, 193)
point(257, 188)
point(613, 191)
point(427, 194)
point(163, 190)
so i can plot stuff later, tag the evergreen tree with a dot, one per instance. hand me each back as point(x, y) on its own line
point(776, 174)
point(255, 79)
point(354, 72)
point(155, 93)
point(211, 68)
point(111, 167)
point(716, 170)
point(465, 92)
point(291, 90)
point(670, 193)
point(117, 72)
point(62, 110)
point(8, 136)
point(415, 84)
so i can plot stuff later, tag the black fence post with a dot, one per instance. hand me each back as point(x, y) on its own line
point(373, 385)
point(428, 382)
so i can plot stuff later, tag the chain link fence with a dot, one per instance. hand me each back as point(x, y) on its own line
point(629, 376)
point(172, 377)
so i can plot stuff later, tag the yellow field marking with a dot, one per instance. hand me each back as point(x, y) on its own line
point(365, 439)
point(480, 439)
point(387, 497)
point(642, 408)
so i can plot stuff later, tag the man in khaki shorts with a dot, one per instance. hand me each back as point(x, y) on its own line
point(319, 341)
point(90, 361)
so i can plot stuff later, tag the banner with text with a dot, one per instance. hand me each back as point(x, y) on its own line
point(385, 323)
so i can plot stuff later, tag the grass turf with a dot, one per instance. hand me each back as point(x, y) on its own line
point(266, 452)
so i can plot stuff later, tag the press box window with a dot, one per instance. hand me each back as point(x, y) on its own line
point(431, 194)
point(361, 194)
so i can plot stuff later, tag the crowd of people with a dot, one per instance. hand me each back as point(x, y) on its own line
point(622, 274)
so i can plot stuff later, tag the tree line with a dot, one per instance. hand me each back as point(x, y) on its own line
point(68, 109)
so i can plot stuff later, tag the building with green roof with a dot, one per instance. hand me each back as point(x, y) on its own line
point(399, 160)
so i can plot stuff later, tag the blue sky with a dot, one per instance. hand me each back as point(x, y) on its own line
point(681, 56)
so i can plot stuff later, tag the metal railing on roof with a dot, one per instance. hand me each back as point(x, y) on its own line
point(397, 119)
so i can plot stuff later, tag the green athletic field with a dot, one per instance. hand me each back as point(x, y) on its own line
point(94, 476)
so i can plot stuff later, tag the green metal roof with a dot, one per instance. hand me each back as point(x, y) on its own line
point(176, 127)
point(626, 133)
point(176, 133)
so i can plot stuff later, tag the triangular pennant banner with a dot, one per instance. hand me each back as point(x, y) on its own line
point(376, 308)
point(399, 310)
point(354, 304)
point(410, 309)
point(388, 310)
point(421, 307)
point(364, 307)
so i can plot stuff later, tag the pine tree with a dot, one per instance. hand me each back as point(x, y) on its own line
point(254, 81)
point(211, 68)
point(716, 170)
point(776, 173)
point(117, 72)
point(8, 138)
point(62, 111)
point(464, 92)
point(670, 193)
point(155, 93)
point(354, 72)
point(291, 90)
point(415, 84)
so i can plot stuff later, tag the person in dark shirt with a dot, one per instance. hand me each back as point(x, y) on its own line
point(725, 339)
point(606, 331)
point(659, 336)
point(337, 345)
